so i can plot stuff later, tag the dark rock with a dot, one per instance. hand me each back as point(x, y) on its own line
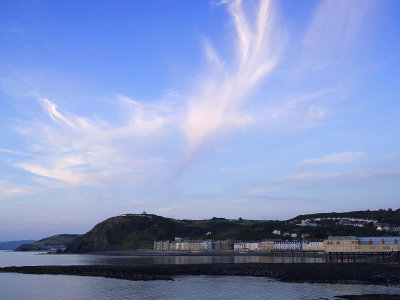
point(383, 274)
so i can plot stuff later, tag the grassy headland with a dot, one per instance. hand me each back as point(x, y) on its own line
point(52, 241)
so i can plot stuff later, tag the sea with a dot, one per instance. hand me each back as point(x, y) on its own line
point(23, 286)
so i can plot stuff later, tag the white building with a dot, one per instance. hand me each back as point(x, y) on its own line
point(287, 245)
point(313, 245)
point(207, 245)
point(246, 246)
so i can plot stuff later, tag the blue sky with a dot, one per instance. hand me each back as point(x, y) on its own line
point(195, 109)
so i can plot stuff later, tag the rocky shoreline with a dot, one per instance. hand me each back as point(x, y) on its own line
point(381, 274)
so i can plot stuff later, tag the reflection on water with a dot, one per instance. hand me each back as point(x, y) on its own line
point(11, 258)
point(233, 259)
point(22, 286)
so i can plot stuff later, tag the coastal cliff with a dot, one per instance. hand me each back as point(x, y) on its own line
point(132, 232)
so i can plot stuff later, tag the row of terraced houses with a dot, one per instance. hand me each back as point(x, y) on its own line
point(332, 244)
point(266, 245)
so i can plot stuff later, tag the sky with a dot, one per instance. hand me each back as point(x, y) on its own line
point(195, 109)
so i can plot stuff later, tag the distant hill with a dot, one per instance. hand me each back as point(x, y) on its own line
point(12, 245)
point(385, 216)
point(52, 241)
point(140, 231)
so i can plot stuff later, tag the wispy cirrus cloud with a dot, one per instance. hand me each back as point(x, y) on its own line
point(316, 180)
point(340, 176)
point(78, 150)
point(81, 150)
point(170, 208)
point(10, 189)
point(334, 158)
point(9, 151)
point(252, 167)
point(332, 31)
point(228, 85)
point(296, 112)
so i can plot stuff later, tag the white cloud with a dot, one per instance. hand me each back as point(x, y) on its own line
point(9, 189)
point(340, 176)
point(253, 167)
point(334, 158)
point(332, 31)
point(15, 152)
point(297, 111)
point(317, 180)
point(222, 92)
point(169, 208)
point(86, 151)
point(297, 177)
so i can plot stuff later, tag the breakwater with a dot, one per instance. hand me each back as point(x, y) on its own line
point(383, 274)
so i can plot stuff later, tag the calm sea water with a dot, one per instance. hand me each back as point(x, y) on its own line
point(21, 286)
point(11, 258)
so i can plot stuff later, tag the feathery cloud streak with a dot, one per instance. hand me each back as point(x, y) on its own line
point(8, 189)
point(82, 151)
point(322, 179)
point(223, 91)
point(9, 151)
point(340, 176)
point(332, 31)
point(334, 158)
point(169, 208)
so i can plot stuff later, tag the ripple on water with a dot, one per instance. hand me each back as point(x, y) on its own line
point(22, 286)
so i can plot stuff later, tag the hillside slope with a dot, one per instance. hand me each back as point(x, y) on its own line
point(139, 232)
point(385, 216)
point(52, 241)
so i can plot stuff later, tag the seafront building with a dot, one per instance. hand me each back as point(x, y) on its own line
point(287, 245)
point(223, 245)
point(241, 246)
point(353, 244)
point(267, 246)
point(312, 245)
point(339, 244)
point(161, 245)
point(193, 245)
point(253, 246)
point(246, 246)
point(207, 245)
point(185, 245)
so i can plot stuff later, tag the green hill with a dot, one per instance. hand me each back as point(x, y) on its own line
point(49, 242)
point(385, 216)
point(140, 231)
